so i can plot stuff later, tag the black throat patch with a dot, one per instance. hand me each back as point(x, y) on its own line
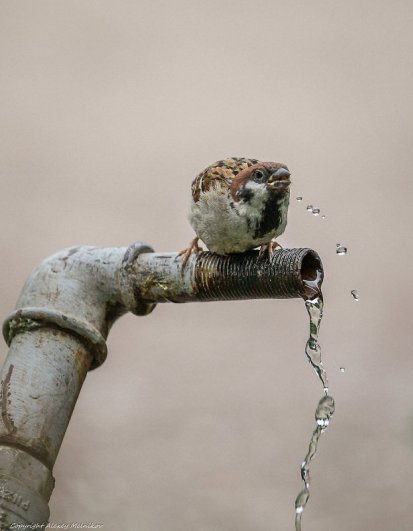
point(271, 216)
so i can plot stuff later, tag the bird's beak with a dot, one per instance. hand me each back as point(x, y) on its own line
point(280, 179)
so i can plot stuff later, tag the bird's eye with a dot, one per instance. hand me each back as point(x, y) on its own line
point(259, 175)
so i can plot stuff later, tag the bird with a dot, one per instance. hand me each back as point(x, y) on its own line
point(239, 204)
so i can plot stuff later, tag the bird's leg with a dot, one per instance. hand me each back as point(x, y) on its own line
point(186, 253)
point(269, 249)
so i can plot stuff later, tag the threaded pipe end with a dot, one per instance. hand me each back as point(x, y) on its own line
point(245, 276)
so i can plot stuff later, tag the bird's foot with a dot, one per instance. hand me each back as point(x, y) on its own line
point(186, 253)
point(268, 249)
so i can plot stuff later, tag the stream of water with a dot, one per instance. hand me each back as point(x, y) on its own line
point(325, 407)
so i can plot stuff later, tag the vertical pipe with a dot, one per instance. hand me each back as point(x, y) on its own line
point(40, 382)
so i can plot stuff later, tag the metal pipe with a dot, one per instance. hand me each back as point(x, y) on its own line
point(159, 277)
point(58, 332)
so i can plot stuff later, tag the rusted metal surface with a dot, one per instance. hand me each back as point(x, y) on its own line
point(59, 328)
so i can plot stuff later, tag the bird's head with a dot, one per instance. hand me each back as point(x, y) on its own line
point(264, 178)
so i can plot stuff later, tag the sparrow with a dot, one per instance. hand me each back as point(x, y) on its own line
point(239, 204)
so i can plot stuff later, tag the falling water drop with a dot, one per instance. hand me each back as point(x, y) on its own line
point(299, 198)
point(310, 208)
point(316, 211)
point(341, 250)
point(342, 369)
point(355, 295)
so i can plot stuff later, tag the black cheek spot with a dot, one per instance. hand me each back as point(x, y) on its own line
point(246, 195)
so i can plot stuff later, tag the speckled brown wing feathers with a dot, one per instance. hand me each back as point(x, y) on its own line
point(219, 174)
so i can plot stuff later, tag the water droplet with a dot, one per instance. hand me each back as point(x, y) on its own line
point(316, 211)
point(342, 369)
point(341, 250)
point(323, 217)
point(355, 295)
point(310, 208)
point(299, 198)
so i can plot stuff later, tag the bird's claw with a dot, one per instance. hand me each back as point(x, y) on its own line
point(268, 249)
point(186, 253)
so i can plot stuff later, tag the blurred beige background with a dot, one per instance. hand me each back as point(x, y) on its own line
point(202, 413)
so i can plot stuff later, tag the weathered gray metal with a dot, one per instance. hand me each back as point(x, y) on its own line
point(58, 332)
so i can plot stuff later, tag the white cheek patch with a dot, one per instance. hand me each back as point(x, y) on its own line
point(256, 203)
point(259, 191)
